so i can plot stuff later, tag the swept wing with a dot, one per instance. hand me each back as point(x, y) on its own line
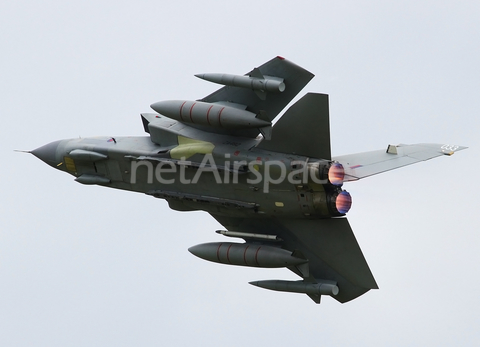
point(294, 77)
point(329, 245)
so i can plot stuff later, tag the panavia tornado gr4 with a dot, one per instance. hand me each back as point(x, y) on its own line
point(277, 187)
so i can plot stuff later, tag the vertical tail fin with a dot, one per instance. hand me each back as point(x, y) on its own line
point(304, 129)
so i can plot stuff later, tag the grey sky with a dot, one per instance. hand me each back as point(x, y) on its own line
point(90, 266)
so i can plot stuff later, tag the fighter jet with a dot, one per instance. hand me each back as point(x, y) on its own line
point(274, 185)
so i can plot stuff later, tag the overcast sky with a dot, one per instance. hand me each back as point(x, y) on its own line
point(91, 266)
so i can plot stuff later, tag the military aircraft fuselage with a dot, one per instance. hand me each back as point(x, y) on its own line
point(229, 178)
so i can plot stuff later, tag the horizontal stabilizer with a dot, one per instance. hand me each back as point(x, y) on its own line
point(366, 164)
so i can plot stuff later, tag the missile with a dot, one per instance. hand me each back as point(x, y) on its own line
point(298, 287)
point(209, 114)
point(92, 179)
point(272, 84)
point(245, 254)
point(230, 233)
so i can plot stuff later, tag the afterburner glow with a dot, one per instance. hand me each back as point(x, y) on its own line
point(336, 174)
point(343, 202)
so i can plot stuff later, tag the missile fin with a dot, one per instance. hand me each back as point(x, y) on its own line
point(260, 93)
point(256, 73)
point(315, 297)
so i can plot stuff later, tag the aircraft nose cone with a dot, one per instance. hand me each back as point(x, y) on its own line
point(48, 153)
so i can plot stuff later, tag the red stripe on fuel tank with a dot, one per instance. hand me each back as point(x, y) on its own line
point(218, 252)
point(208, 114)
point(191, 108)
point(256, 255)
point(228, 254)
point(244, 255)
point(181, 107)
point(219, 115)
